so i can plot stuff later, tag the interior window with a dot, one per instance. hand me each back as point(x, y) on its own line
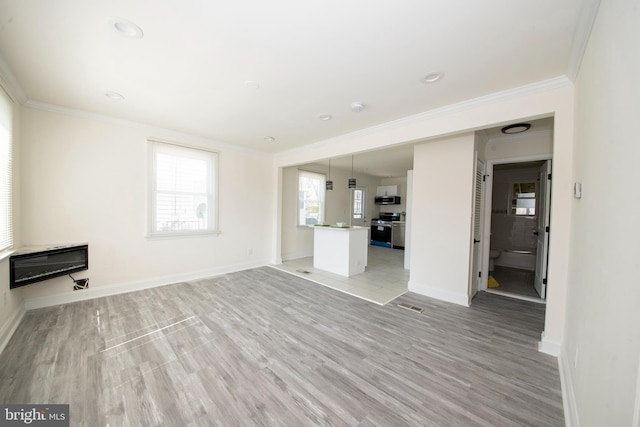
point(182, 190)
point(311, 191)
point(523, 199)
point(358, 204)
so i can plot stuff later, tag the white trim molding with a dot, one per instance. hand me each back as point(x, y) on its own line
point(10, 326)
point(581, 36)
point(552, 348)
point(442, 295)
point(568, 393)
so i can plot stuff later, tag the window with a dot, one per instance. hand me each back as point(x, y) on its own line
point(6, 193)
point(523, 199)
point(311, 189)
point(358, 204)
point(182, 190)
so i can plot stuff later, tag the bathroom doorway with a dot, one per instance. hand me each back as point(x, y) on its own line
point(520, 198)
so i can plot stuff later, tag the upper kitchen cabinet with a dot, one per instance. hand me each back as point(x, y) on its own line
point(387, 190)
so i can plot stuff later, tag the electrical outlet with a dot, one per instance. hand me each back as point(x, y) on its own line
point(80, 284)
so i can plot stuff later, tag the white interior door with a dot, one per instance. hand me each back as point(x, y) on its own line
point(359, 207)
point(476, 256)
point(542, 229)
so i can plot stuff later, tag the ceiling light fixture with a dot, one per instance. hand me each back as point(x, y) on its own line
point(126, 28)
point(352, 180)
point(356, 107)
point(269, 139)
point(433, 77)
point(325, 117)
point(114, 95)
point(516, 128)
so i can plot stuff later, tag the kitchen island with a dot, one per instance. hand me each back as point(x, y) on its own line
point(340, 250)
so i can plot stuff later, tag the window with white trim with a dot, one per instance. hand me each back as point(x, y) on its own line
point(311, 191)
point(523, 198)
point(358, 204)
point(182, 191)
point(6, 163)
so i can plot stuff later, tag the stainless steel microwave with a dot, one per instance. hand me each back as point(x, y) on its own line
point(387, 200)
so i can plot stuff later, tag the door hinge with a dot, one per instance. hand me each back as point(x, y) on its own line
point(479, 273)
point(544, 281)
point(546, 229)
point(549, 177)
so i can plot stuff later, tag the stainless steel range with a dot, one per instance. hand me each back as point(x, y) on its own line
point(388, 230)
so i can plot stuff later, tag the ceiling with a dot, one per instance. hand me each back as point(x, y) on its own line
point(238, 72)
point(395, 161)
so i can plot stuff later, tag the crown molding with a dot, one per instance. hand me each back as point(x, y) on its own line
point(9, 83)
point(530, 89)
point(154, 131)
point(587, 18)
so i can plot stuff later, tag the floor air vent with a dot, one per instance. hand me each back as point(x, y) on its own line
point(408, 306)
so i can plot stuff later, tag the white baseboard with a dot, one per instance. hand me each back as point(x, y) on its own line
point(9, 327)
point(122, 288)
point(552, 348)
point(296, 255)
point(430, 291)
point(568, 394)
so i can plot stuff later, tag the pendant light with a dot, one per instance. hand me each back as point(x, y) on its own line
point(329, 183)
point(352, 180)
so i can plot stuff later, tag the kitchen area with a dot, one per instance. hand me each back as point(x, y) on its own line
point(357, 245)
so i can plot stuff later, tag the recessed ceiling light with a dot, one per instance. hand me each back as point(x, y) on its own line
point(433, 77)
point(252, 84)
point(356, 107)
point(114, 95)
point(325, 117)
point(516, 128)
point(127, 28)
point(269, 139)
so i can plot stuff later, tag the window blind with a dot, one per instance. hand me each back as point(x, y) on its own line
point(183, 190)
point(6, 171)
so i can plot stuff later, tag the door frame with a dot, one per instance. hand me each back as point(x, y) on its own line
point(488, 197)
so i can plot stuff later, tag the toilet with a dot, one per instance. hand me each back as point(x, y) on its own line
point(493, 254)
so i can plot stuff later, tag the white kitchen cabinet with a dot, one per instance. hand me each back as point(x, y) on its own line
point(341, 251)
point(387, 190)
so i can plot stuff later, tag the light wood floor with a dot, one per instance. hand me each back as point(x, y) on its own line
point(263, 347)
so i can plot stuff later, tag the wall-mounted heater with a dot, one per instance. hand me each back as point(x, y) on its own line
point(35, 264)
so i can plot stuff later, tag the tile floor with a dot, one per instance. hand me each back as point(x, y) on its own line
point(384, 279)
point(515, 283)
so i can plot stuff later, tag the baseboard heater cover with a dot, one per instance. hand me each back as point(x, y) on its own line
point(35, 264)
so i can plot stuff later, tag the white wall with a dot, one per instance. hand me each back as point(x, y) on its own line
point(85, 180)
point(520, 146)
point(442, 209)
point(601, 348)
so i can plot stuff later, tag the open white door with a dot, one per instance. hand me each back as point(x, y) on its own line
point(542, 231)
point(476, 254)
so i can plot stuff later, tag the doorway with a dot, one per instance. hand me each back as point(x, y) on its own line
point(519, 229)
